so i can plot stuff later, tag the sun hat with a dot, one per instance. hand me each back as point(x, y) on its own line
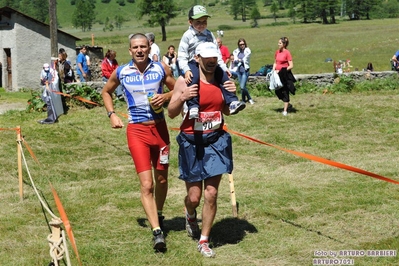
point(46, 66)
point(197, 12)
point(207, 49)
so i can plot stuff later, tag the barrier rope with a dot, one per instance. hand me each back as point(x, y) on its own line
point(312, 157)
point(56, 240)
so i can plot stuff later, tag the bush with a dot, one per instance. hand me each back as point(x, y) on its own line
point(35, 103)
point(225, 27)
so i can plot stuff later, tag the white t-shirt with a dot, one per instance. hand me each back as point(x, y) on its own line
point(155, 50)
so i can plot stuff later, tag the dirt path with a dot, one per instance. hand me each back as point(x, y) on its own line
point(4, 107)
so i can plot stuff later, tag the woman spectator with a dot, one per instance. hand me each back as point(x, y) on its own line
point(108, 65)
point(241, 60)
point(283, 65)
point(64, 67)
point(170, 59)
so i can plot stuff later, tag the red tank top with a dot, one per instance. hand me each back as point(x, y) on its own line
point(211, 111)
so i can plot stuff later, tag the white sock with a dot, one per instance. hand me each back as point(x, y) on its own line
point(204, 238)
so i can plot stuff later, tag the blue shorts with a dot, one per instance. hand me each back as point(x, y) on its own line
point(204, 156)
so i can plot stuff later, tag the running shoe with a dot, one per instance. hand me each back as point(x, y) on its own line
point(192, 227)
point(236, 106)
point(206, 251)
point(159, 240)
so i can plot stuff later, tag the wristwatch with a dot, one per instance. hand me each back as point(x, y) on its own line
point(110, 113)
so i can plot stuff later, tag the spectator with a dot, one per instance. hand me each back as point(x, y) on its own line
point(147, 133)
point(232, 66)
point(196, 34)
point(170, 59)
point(370, 67)
point(49, 80)
point(205, 153)
point(108, 65)
point(242, 56)
point(155, 53)
point(223, 50)
point(82, 69)
point(395, 61)
point(283, 65)
point(65, 69)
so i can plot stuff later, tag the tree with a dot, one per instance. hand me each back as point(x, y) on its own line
point(255, 15)
point(292, 13)
point(241, 7)
point(274, 9)
point(84, 15)
point(159, 12)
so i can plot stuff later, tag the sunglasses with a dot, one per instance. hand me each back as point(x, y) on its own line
point(241, 44)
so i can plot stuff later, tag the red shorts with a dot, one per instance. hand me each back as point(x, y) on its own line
point(149, 145)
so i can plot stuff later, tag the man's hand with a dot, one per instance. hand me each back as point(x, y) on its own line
point(116, 122)
point(189, 93)
point(158, 100)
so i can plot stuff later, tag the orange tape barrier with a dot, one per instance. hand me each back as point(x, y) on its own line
point(76, 97)
point(65, 220)
point(313, 158)
point(18, 130)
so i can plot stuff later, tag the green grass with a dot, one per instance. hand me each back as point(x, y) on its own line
point(289, 207)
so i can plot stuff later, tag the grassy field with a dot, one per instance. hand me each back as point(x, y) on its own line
point(289, 207)
point(310, 44)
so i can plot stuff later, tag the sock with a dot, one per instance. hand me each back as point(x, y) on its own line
point(190, 216)
point(159, 212)
point(203, 239)
point(156, 228)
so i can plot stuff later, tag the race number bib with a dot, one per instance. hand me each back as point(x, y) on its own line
point(208, 121)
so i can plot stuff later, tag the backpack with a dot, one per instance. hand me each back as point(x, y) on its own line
point(264, 70)
point(68, 71)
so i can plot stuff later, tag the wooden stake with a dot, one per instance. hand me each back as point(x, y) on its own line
point(55, 237)
point(21, 192)
point(233, 196)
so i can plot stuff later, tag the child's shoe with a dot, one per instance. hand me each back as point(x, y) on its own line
point(236, 106)
point(193, 113)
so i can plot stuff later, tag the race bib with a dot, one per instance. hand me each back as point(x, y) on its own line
point(208, 121)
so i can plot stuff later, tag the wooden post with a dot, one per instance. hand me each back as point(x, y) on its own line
point(53, 28)
point(55, 238)
point(21, 191)
point(92, 39)
point(233, 196)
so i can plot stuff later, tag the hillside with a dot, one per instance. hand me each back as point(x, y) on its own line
point(310, 44)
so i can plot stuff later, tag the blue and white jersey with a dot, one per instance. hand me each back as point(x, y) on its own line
point(136, 87)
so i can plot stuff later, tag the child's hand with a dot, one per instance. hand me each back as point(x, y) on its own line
point(188, 76)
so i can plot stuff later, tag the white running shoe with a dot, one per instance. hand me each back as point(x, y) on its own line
point(206, 251)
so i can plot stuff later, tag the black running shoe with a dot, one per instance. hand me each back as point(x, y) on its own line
point(159, 240)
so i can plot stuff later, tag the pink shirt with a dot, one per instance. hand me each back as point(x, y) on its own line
point(282, 58)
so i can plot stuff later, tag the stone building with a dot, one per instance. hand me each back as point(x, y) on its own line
point(25, 46)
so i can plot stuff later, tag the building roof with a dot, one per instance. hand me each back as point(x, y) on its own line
point(7, 11)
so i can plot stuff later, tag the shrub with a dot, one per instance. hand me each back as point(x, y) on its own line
point(225, 27)
point(35, 103)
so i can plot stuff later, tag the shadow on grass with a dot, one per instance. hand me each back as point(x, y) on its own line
point(291, 109)
point(174, 224)
point(226, 231)
point(230, 231)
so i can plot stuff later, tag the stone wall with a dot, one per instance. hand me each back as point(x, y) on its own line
point(321, 80)
point(325, 79)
